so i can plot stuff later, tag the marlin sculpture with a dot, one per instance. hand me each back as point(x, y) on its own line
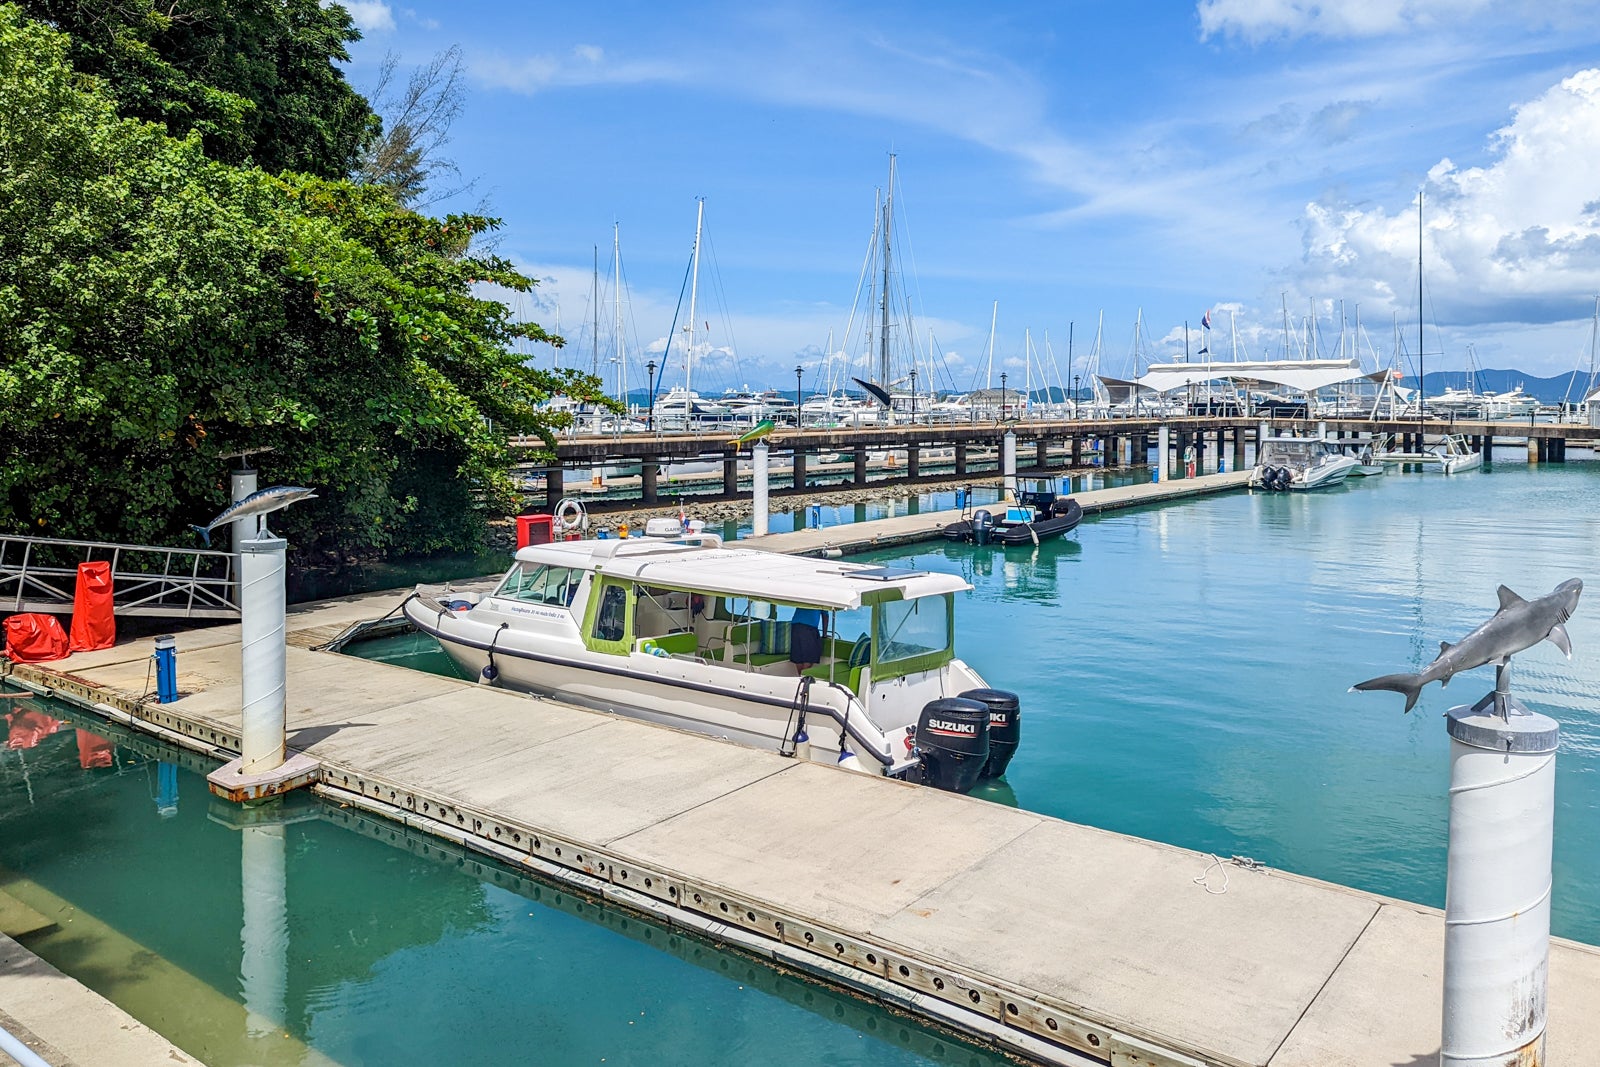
point(261, 502)
point(1519, 624)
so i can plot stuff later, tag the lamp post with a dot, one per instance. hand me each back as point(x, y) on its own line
point(799, 372)
point(913, 396)
point(1002, 396)
point(650, 412)
point(1075, 396)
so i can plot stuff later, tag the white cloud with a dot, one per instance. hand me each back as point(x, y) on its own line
point(1516, 239)
point(1257, 20)
point(584, 64)
point(370, 16)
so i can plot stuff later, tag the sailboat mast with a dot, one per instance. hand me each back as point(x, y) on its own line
point(888, 229)
point(616, 267)
point(594, 303)
point(694, 288)
point(1284, 297)
point(994, 316)
point(1422, 374)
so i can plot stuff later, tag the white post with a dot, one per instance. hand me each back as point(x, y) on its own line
point(1008, 464)
point(1322, 431)
point(758, 482)
point(261, 609)
point(264, 932)
point(242, 484)
point(1497, 889)
point(1163, 447)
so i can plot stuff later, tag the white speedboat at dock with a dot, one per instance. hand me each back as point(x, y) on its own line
point(688, 633)
point(1300, 463)
point(1451, 455)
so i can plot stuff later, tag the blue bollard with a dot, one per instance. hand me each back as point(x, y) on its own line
point(1155, 473)
point(166, 669)
point(961, 499)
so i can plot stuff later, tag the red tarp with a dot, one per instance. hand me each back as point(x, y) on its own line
point(93, 750)
point(25, 729)
point(34, 638)
point(93, 624)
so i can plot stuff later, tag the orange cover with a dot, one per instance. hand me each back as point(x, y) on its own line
point(93, 624)
point(32, 638)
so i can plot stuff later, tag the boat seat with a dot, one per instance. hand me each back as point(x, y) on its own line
point(680, 643)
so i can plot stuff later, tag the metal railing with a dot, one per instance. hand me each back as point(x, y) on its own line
point(41, 573)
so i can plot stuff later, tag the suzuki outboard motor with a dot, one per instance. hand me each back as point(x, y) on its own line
point(982, 526)
point(953, 740)
point(1005, 726)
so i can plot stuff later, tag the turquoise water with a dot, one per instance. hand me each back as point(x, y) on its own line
point(397, 949)
point(1184, 668)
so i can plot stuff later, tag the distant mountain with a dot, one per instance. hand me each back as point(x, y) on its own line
point(1570, 386)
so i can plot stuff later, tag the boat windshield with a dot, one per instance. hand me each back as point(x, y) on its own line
point(908, 629)
point(540, 583)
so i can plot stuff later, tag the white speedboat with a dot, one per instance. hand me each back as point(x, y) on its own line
point(1452, 454)
point(1300, 463)
point(691, 634)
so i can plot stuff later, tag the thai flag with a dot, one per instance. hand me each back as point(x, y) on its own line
point(1205, 320)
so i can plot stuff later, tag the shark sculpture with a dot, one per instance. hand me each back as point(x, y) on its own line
point(1519, 624)
point(261, 502)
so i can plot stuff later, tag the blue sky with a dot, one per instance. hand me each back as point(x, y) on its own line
point(1068, 160)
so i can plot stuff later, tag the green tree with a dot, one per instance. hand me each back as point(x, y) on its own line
point(159, 310)
point(257, 79)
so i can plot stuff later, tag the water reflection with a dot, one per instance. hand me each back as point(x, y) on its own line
point(302, 933)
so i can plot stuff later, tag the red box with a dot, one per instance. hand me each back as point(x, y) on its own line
point(534, 530)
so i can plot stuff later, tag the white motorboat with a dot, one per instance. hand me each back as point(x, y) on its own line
point(1300, 463)
point(1451, 455)
point(1367, 454)
point(687, 633)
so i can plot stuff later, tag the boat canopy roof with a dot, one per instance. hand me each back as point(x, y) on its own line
point(1302, 375)
point(828, 584)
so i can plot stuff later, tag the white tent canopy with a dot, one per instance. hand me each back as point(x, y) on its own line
point(1301, 375)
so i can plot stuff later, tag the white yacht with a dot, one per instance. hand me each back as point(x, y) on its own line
point(1300, 463)
point(688, 633)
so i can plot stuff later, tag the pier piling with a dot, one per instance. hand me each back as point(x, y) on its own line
point(759, 456)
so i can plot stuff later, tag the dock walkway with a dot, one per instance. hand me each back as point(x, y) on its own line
point(908, 529)
point(1069, 944)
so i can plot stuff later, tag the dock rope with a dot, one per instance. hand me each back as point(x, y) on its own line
point(1216, 864)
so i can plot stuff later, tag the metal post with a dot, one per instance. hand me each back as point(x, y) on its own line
point(799, 372)
point(758, 485)
point(1497, 889)
point(650, 408)
point(1008, 464)
point(241, 484)
point(261, 609)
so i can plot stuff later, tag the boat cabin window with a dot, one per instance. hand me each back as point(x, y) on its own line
point(907, 629)
point(540, 583)
point(611, 621)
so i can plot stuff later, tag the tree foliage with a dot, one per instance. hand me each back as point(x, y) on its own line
point(256, 80)
point(159, 310)
point(407, 156)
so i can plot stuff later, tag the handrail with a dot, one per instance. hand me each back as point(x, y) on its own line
point(173, 588)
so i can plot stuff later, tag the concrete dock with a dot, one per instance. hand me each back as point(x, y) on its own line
point(66, 1023)
point(1064, 943)
point(908, 529)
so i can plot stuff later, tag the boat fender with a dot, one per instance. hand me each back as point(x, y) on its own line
point(490, 672)
point(802, 744)
point(847, 759)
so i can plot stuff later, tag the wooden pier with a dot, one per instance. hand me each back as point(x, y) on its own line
point(1064, 943)
point(1043, 445)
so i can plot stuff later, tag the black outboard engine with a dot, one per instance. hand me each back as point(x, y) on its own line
point(953, 740)
point(1005, 726)
point(982, 526)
